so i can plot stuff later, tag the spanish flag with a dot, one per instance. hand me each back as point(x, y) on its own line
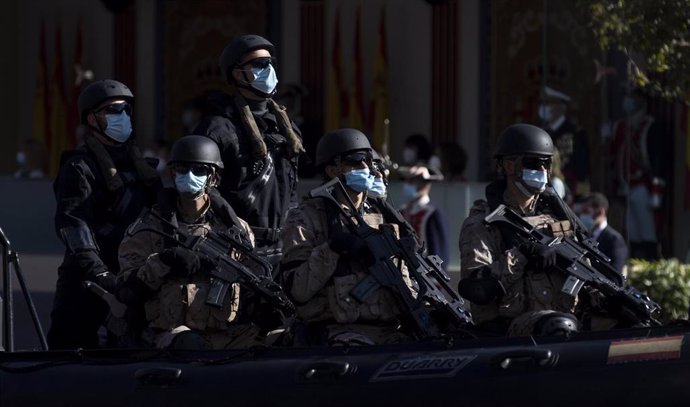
point(337, 107)
point(58, 122)
point(356, 110)
point(378, 104)
point(41, 111)
point(76, 79)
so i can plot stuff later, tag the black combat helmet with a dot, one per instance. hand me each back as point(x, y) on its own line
point(339, 142)
point(521, 139)
point(196, 149)
point(241, 45)
point(100, 91)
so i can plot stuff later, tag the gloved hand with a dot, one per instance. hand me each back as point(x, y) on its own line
point(481, 287)
point(133, 292)
point(106, 280)
point(348, 243)
point(542, 256)
point(184, 262)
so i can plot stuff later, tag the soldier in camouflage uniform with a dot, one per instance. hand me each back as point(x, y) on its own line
point(511, 286)
point(323, 261)
point(172, 282)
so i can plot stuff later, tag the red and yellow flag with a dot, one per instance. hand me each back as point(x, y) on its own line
point(41, 111)
point(378, 103)
point(76, 79)
point(356, 110)
point(337, 99)
point(58, 122)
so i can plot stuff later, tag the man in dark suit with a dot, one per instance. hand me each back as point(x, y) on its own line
point(611, 243)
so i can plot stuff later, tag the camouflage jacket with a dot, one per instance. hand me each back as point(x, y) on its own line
point(526, 290)
point(178, 302)
point(319, 280)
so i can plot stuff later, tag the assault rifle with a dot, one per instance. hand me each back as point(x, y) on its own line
point(584, 264)
point(217, 247)
point(387, 250)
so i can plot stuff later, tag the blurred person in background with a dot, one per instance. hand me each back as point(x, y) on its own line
point(427, 219)
point(593, 215)
point(569, 138)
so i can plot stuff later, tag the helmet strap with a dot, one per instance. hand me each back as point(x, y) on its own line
point(256, 92)
point(523, 189)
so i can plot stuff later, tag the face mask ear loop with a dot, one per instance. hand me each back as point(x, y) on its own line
point(209, 180)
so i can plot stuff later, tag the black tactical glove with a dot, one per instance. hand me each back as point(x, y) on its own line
point(541, 256)
point(184, 262)
point(106, 280)
point(481, 287)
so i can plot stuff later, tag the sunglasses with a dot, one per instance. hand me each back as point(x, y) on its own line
point(116, 108)
point(357, 158)
point(197, 169)
point(536, 163)
point(261, 62)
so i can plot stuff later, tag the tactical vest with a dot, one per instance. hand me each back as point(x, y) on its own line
point(122, 188)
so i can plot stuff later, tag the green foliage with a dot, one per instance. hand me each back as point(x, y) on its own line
point(658, 31)
point(665, 281)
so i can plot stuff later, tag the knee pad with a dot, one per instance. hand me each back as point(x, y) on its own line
point(556, 324)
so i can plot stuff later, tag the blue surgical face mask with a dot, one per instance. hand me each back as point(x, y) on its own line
point(588, 221)
point(21, 158)
point(409, 192)
point(545, 112)
point(119, 126)
point(629, 105)
point(535, 180)
point(360, 180)
point(189, 183)
point(265, 79)
point(378, 190)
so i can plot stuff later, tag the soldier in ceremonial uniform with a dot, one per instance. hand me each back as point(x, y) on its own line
point(570, 140)
point(641, 166)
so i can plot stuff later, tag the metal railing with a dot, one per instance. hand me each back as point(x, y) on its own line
point(10, 261)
